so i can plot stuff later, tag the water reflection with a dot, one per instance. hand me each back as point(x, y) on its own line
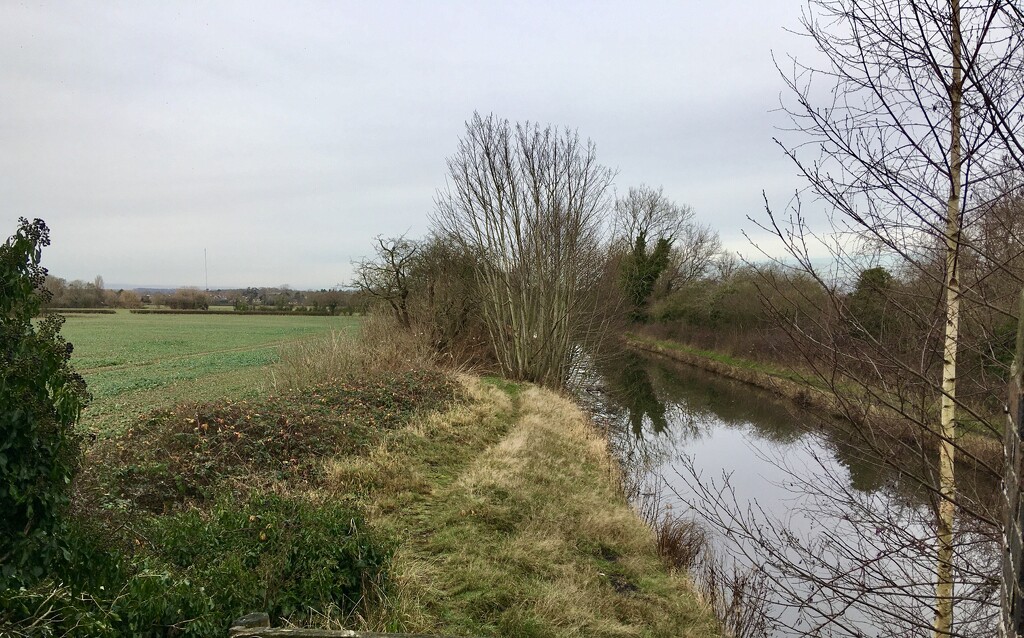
point(794, 496)
point(714, 401)
point(629, 387)
point(665, 405)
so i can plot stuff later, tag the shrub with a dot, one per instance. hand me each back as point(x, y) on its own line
point(280, 555)
point(222, 313)
point(81, 311)
point(41, 398)
point(198, 570)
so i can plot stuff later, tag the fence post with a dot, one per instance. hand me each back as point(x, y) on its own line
point(1012, 592)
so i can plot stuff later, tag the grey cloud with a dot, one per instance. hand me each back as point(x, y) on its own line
point(284, 136)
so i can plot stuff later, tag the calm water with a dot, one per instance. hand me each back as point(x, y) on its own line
point(844, 536)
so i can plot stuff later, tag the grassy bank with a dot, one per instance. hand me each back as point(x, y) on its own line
point(365, 493)
point(809, 392)
point(512, 524)
point(202, 512)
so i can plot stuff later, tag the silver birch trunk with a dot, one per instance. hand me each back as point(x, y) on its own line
point(947, 450)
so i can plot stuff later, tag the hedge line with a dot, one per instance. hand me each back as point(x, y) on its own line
point(79, 311)
point(297, 313)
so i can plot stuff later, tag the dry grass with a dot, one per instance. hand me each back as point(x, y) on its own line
point(681, 542)
point(380, 346)
point(337, 355)
point(737, 596)
point(411, 460)
point(511, 523)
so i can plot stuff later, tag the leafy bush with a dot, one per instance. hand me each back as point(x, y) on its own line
point(274, 554)
point(640, 270)
point(198, 570)
point(41, 398)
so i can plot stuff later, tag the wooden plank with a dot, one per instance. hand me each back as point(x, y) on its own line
point(263, 632)
point(258, 626)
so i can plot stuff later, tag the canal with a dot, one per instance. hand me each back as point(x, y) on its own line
point(841, 537)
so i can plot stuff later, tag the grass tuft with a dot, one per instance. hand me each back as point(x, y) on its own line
point(383, 346)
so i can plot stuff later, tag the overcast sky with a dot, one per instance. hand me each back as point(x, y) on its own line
point(282, 137)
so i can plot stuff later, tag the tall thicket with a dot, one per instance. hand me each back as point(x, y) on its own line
point(528, 204)
point(656, 240)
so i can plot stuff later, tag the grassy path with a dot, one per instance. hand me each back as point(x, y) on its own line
point(511, 523)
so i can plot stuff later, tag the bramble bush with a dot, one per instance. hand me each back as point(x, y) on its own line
point(190, 453)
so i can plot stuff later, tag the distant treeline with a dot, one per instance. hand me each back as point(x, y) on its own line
point(775, 314)
point(92, 294)
point(283, 298)
point(308, 312)
point(78, 294)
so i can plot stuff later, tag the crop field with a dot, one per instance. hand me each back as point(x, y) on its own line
point(134, 363)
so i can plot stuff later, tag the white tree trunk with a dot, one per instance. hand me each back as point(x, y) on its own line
point(947, 451)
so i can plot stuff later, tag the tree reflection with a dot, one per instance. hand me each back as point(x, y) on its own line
point(846, 539)
point(629, 385)
point(712, 400)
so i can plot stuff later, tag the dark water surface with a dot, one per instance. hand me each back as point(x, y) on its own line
point(724, 452)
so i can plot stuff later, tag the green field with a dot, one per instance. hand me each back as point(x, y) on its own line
point(134, 363)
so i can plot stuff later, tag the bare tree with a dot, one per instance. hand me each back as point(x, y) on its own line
point(646, 211)
point(529, 204)
point(386, 278)
point(693, 256)
point(659, 246)
point(908, 142)
point(725, 264)
point(445, 304)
